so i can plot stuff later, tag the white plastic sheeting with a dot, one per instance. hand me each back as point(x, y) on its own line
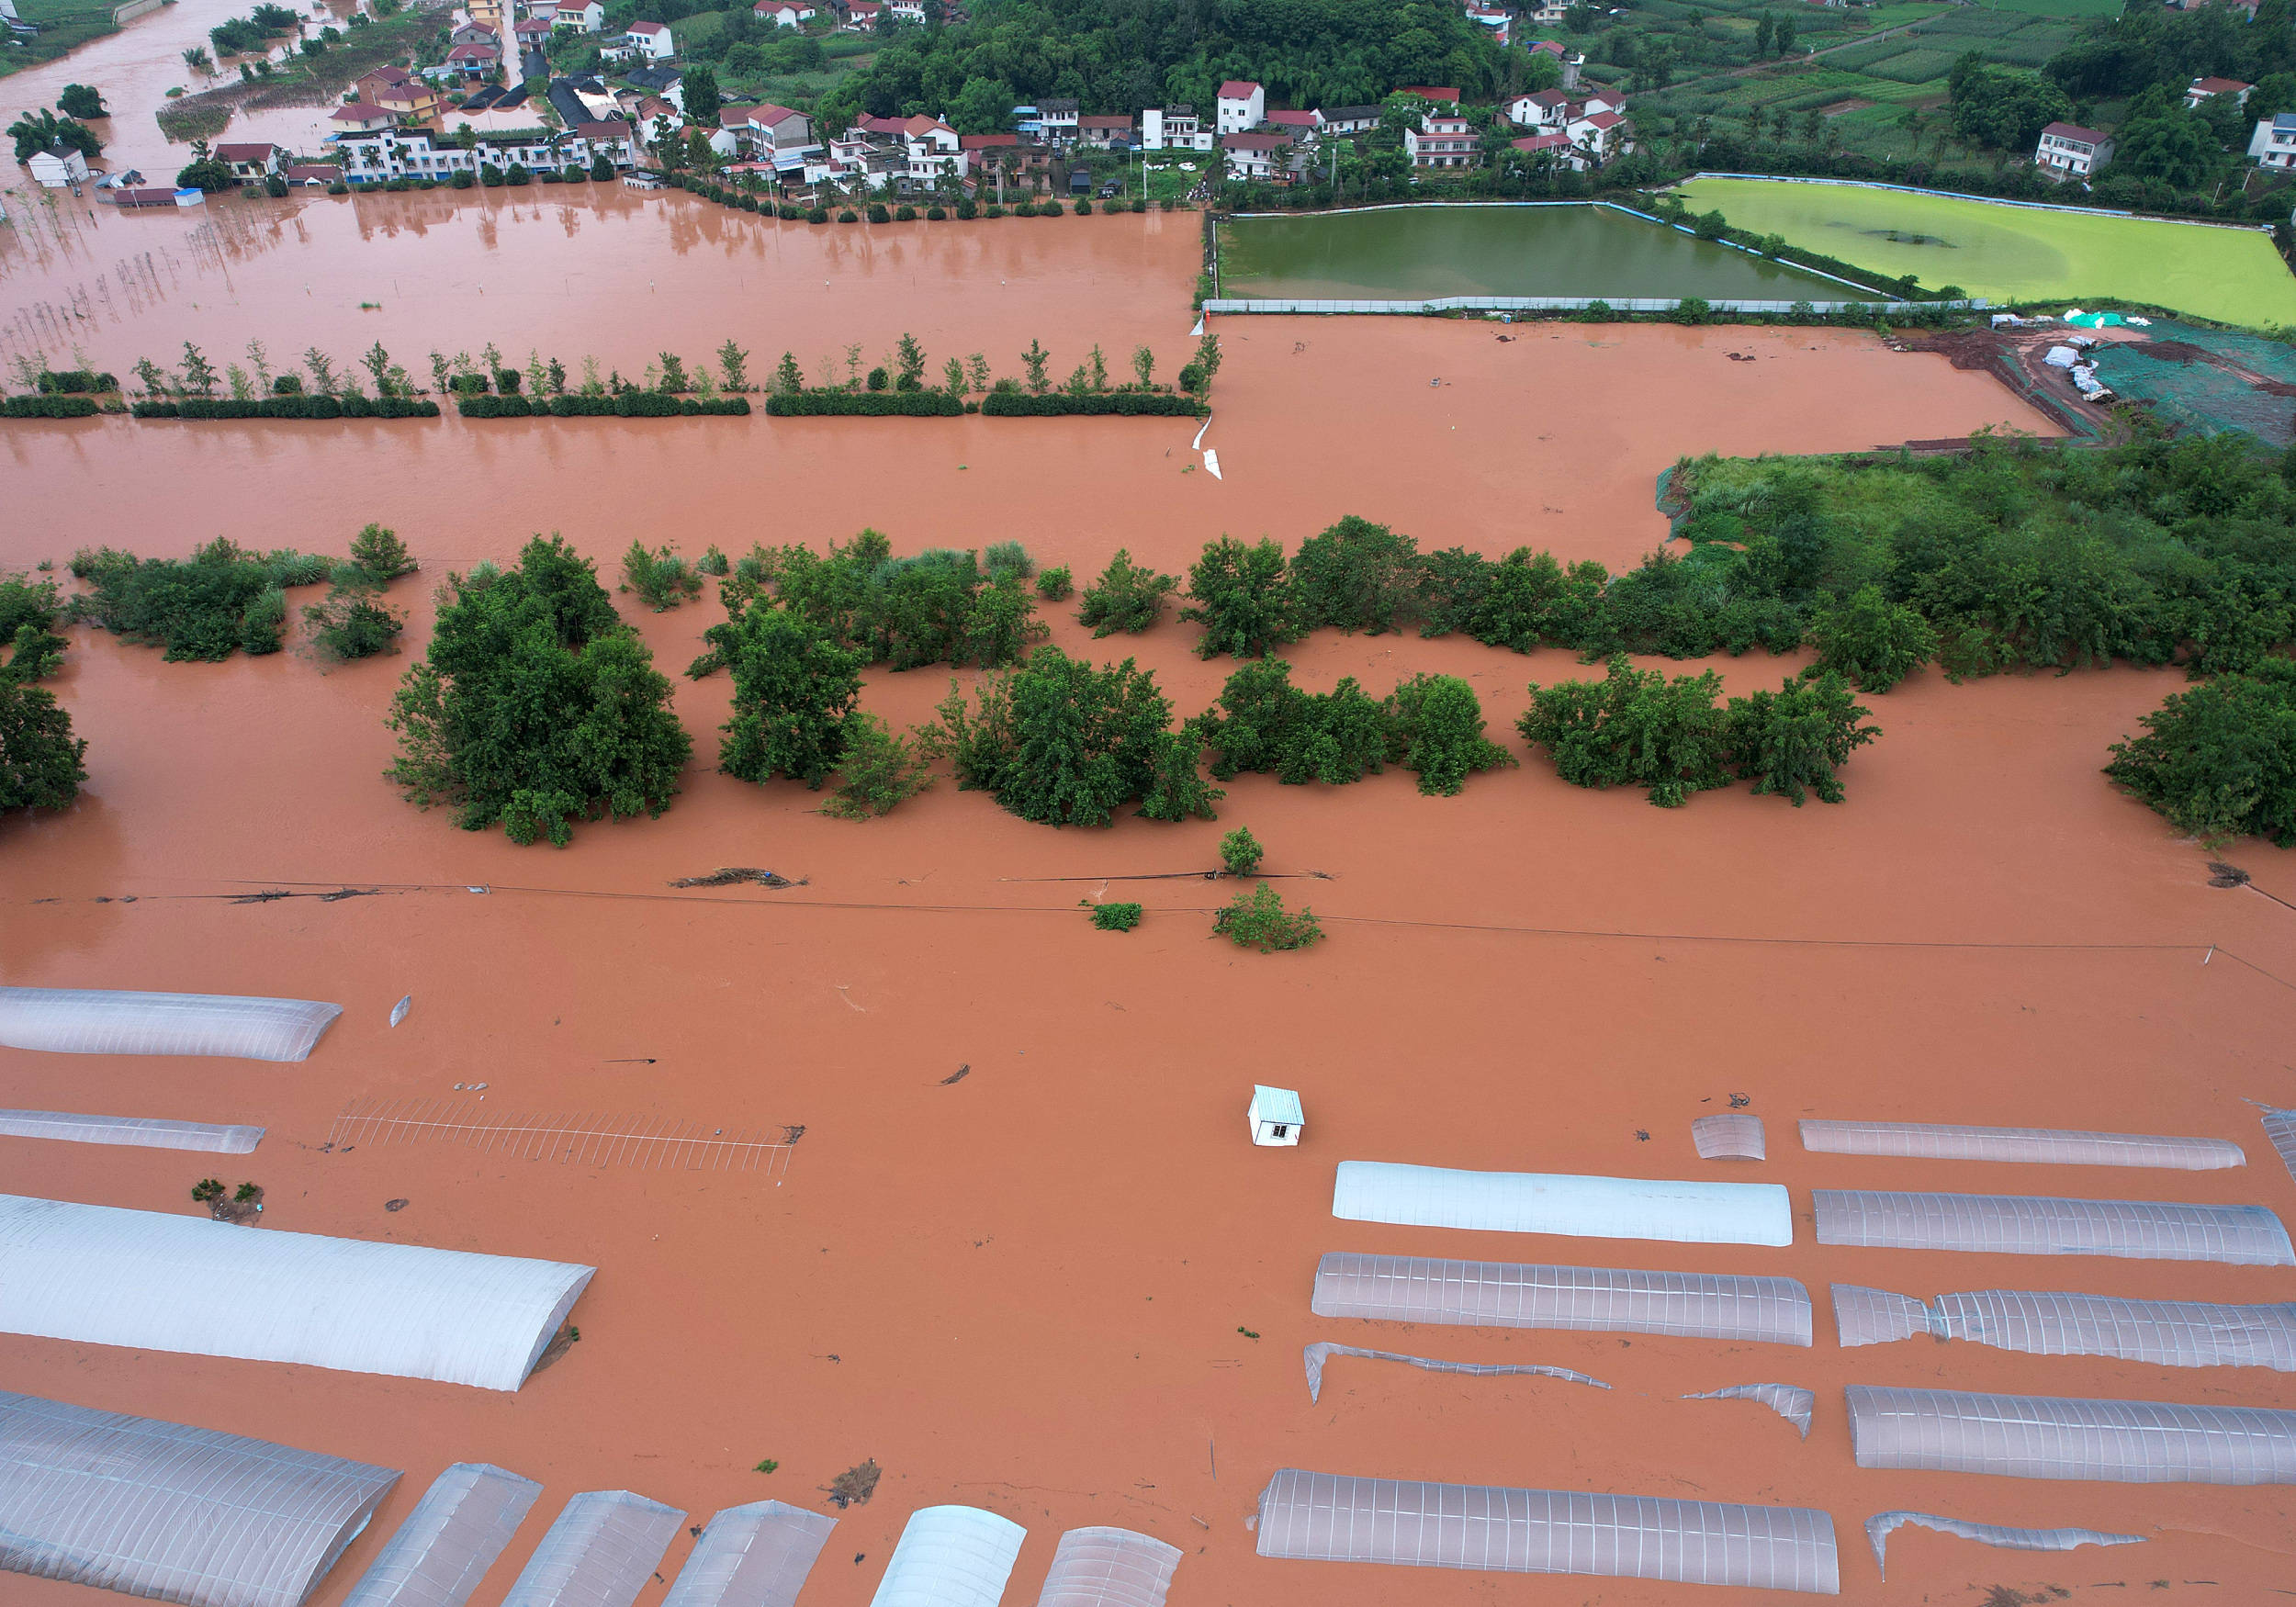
point(1317, 1355)
point(951, 1557)
point(143, 1131)
point(102, 1021)
point(600, 1553)
point(2026, 1145)
point(1586, 1208)
point(753, 1555)
point(1108, 1568)
point(1328, 1517)
point(2042, 1436)
point(1790, 1401)
point(2046, 1322)
point(172, 1513)
point(1737, 1137)
point(449, 1541)
point(99, 1275)
point(1490, 1294)
point(1879, 1526)
point(2279, 1126)
point(2137, 1229)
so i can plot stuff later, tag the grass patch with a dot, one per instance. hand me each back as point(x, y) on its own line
point(2231, 276)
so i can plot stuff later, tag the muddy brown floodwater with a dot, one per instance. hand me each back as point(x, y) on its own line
point(1025, 1290)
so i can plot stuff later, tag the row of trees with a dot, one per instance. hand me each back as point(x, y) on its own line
point(904, 369)
point(461, 374)
point(40, 759)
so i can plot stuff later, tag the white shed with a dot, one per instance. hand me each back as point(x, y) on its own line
point(57, 166)
point(1275, 1115)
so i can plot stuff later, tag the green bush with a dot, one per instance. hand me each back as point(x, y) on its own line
point(1239, 852)
point(354, 621)
point(535, 705)
point(1264, 723)
point(1008, 560)
point(1115, 917)
point(2218, 761)
point(712, 562)
point(1012, 404)
point(1357, 576)
point(819, 214)
point(935, 215)
point(378, 552)
point(1055, 585)
point(1056, 740)
point(1634, 728)
point(1258, 920)
point(968, 210)
point(1795, 741)
point(661, 578)
point(1874, 641)
point(50, 407)
point(881, 770)
point(75, 382)
point(1126, 597)
point(849, 215)
point(41, 764)
point(795, 693)
point(904, 213)
point(920, 404)
point(1047, 208)
point(877, 213)
point(1084, 208)
point(1021, 209)
point(1438, 729)
point(1177, 790)
point(1244, 597)
point(220, 601)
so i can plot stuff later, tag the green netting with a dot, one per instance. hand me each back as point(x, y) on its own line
point(2207, 380)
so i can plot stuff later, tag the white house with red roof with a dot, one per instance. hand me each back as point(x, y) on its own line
point(935, 150)
point(1602, 135)
point(781, 13)
point(357, 117)
point(473, 59)
point(860, 16)
point(253, 160)
point(651, 39)
point(2201, 89)
point(1555, 146)
point(732, 130)
point(2069, 151)
point(1500, 23)
point(532, 33)
point(589, 16)
point(1242, 105)
point(1257, 153)
point(780, 129)
point(1432, 94)
point(1300, 126)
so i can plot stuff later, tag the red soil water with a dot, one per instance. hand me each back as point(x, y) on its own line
point(1026, 1290)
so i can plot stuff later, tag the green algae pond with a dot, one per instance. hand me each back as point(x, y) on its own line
point(1420, 253)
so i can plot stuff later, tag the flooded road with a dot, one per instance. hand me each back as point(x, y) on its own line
point(1066, 1288)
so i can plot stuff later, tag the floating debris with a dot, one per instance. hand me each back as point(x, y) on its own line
point(854, 1487)
point(728, 875)
point(399, 1011)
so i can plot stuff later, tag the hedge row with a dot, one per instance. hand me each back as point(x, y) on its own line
point(629, 404)
point(919, 404)
point(288, 406)
point(1010, 404)
point(50, 406)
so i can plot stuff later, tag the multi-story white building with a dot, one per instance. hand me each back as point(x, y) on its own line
point(1173, 128)
point(377, 156)
point(2069, 151)
point(1442, 140)
point(1241, 105)
point(2274, 144)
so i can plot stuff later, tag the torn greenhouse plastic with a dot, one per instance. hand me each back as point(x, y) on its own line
point(1790, 1401)
point(1879, 1527)
point(1317, 1355)
point(2046, 1322)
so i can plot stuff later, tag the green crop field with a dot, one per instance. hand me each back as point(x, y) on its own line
point(2232, 276)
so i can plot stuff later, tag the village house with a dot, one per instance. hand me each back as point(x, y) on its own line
point(1500, 23)
point(139, 199)
point(2068, 151)
point(1544, 109)
point(732, 131)
point(1441, 140)
point(1257, 153)
point(1555, 146)
point(398, 92)
point(57, 166)
point(1350, 119)
point(934, 150)
point(1058, 118)
point(781, 13)
point(1173, 128)
point(377, 157)
point(1104, 133)
point(651, 39)
point(316, 175)
point(1548, 13)
point(1241, 105)
point(470, 33)
point(780, 129)
point(1432, 94)
point(590, 17)
point(357, 117)
point(1569, 60)
point(531, 34)
point(614, 139)
point(909, 11)
point(1602, 135)
point(251, 161)
point(473, 61)
point(860, 16)
point(542, 11)
point(1006, 157)
point(2273, 146)
point(2201, 89)
point(1301, 126)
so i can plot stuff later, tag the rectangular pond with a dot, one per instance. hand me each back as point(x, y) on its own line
point(1569, 250)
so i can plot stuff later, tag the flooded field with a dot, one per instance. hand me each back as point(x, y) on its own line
point(1410, 253)
point(1063, 1286)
